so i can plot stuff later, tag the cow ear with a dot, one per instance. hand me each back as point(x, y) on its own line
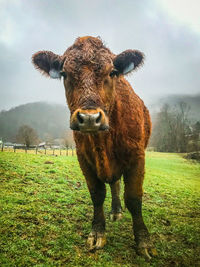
point(48, 63)
point(128, 61)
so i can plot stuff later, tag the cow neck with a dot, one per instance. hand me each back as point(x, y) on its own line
point(100, 149)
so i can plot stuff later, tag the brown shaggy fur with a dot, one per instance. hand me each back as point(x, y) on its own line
point(110, 152)
point(105, 156)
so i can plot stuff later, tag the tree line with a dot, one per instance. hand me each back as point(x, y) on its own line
point(28, 137)
point(173, 131)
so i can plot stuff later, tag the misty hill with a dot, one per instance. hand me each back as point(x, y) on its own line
point(45, 118)
point(193, 101)
point(53, 119)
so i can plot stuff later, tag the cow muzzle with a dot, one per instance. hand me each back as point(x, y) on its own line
point(89, 120)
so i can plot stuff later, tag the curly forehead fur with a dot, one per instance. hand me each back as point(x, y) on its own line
point(90, 52)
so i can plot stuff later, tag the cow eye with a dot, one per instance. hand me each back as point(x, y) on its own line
point(63, 73)
point(114, 73)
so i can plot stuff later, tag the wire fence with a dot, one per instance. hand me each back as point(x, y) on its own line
point(68, 151)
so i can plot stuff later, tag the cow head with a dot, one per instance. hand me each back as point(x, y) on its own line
point(90, 72)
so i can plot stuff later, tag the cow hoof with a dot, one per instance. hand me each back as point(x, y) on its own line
point(96, 240)
point(115, 216)
point(147, 253)
point(146, 250)
point(144, 246)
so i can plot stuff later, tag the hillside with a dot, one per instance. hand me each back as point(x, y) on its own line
point(193, 101)
point(45, 118)
point(53, 119)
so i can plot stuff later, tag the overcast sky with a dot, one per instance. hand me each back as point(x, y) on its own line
point(167, 31)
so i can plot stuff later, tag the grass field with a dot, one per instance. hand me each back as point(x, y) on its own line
point(46, 213)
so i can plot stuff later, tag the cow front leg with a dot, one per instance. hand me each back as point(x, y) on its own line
point(116, 208)
point(97, 238)
point(133, 179)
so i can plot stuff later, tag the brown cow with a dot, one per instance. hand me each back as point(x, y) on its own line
point(111, 128)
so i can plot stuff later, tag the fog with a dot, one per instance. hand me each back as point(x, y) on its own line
point(171, 46)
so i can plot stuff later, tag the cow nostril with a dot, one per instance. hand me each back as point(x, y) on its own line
point(80, 119)
point(98, 118)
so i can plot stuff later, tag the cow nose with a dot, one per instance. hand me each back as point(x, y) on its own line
point(89, 120)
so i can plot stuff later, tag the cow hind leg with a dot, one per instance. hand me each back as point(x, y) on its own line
point(97, 239)
point(133, 179)
point(116, 208)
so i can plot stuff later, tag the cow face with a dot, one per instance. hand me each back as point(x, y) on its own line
point(90, 73)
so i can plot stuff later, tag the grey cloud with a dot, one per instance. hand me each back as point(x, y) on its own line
point(172, 52)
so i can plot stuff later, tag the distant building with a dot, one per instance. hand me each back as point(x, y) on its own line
point(8, 144)
point(42, 145)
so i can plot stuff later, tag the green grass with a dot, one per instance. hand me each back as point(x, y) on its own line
point(46, 213)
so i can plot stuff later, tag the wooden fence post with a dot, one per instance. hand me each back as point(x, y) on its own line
point(53, 151)
point(45, 150)
point(26, 149)
point(2, 147)
point(60, 152)
point(36, 150)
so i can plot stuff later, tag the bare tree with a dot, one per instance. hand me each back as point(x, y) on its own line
point(182, 126)
point(194, 142)
point(48, 138)
point(27, 136)
point(163, 136)
point(68, 138)
point(171, 129)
